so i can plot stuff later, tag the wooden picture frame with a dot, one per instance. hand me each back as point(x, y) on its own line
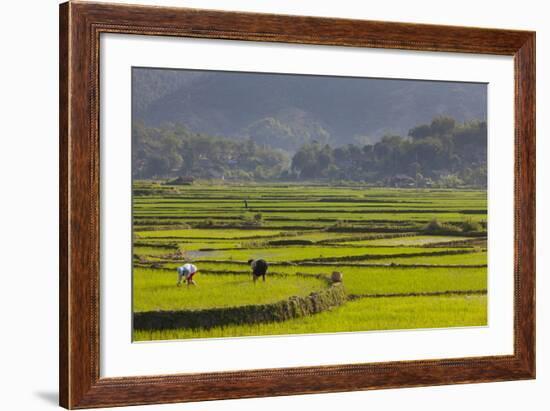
point(80, 27)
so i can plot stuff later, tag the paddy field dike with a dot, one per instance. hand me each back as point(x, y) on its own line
point(410, 258)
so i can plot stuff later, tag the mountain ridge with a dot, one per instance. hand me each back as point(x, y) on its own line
point(286, 111)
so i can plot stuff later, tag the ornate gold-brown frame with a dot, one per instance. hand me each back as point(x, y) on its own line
point(80, 27)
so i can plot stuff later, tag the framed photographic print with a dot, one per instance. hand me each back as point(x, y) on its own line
point(259, 205)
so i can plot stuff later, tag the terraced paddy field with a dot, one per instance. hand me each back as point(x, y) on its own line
point(410, 258)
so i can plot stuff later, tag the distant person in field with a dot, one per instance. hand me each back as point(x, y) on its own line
point(245, 204)
point(259, 269)
point(186, 273)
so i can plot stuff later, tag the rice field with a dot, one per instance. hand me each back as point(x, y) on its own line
point(398, 273)
point(159, 292)
point(367, 314)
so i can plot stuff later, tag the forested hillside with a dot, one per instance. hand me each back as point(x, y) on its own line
point(287, 111)
point(440, 153)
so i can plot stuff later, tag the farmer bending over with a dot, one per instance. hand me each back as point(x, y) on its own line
point(259, 268)
point(187, 271)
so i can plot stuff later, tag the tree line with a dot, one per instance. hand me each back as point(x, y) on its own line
point(441, 153)
point(173, 150)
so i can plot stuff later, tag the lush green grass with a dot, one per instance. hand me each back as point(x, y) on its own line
point(409, 241)
point(297, 253)
point(291, 215)
point(205, 233)
point(153, 250)
point(216, 245)
point(476, 258)
point(157, 290)
point(375, 280)
point(367, 314)
point(344, 227)
point(244, 268)
point(305, 204)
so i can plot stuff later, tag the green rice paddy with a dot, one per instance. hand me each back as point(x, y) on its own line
point(367, 314)
point(157, 291)
point(396, 273)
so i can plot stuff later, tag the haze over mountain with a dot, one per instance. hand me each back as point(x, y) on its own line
point(285, 111)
